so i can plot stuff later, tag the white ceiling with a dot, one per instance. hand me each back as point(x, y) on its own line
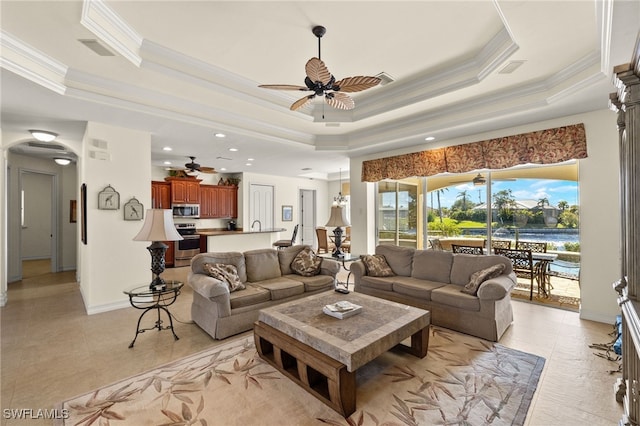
point(185, 70)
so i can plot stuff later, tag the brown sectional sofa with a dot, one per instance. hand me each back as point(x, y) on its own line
point(268, 278)
point(432, 280)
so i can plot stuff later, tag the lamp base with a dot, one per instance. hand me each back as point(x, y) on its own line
point(157, 250)
point(337, 238)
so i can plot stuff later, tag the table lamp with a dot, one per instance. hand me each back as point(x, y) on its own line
point(158, 227)
point(338, 219)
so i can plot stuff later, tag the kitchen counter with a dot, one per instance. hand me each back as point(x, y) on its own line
point(214, 232)
point(221, 240)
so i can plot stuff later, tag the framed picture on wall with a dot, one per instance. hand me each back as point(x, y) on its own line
point(133, 210)
point(287, 213)
point(108, 199)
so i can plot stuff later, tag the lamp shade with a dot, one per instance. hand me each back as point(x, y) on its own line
point(158, 226)
point(338, 217)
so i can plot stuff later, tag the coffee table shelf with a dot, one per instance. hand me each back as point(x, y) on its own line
point(322, 353)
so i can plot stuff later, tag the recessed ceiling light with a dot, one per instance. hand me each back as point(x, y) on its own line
point(233, 149)
point(167, 162)
point(220, 135)
point(167, 148)
point(248, 164)
point(223, 169)
point(62, 161)
point(249, 159)
point(43, 135)
point(429, 138)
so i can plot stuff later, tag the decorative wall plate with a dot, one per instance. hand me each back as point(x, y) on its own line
point(133, 210)
point(108, 199)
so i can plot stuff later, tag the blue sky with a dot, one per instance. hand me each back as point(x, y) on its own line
point(522, 189)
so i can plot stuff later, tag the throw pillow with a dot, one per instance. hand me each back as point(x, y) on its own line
point(306, 263)
point(225, 273)
point(377, 265)
point(481, 276)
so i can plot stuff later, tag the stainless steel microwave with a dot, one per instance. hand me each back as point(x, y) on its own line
point(186, 210)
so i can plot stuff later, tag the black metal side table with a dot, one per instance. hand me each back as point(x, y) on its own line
point(159, 298)
point(344, 258)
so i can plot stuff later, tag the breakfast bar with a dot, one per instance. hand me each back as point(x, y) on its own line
point(219, 240)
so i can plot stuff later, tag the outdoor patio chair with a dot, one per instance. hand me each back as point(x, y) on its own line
point(456, 248)
point(522, 264)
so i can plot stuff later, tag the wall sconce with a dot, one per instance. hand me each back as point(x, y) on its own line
point(43, 135)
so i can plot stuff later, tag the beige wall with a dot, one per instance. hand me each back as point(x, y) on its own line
point(599, 217)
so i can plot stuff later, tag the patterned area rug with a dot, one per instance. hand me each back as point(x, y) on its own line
point(463, 380)
point(554, 300)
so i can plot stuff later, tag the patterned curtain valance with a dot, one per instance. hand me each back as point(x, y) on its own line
point(542, 147)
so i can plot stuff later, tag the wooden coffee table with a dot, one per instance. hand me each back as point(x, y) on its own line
point(322, 353)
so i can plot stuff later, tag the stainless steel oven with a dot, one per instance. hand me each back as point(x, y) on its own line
point(188, 247)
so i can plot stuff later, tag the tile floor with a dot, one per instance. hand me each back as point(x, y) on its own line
point(51, 350)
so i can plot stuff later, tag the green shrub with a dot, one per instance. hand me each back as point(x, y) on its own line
point(572, 247)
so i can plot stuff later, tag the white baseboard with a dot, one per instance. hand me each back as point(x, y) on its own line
point(598, 317)
point(98, 309)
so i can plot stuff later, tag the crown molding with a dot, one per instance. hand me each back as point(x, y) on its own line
point(102, 21)
point(28, 62)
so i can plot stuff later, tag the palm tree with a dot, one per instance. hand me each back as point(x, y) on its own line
point(543, 201)
point(438, 192)
point(563, 205)
point(464, 196)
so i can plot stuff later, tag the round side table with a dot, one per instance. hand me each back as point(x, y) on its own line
point(159, 298)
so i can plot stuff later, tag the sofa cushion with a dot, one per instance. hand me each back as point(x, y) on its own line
point(481, 276)
point(398, 258)
point(225, 273)
point(376, 265)
point(229, 258)
point(415, 288)
point(306, 263)
point(262, 264)
point(315, 283)
point(286, 256)
point(281, 288)
point(432, 265)
point(465, 265)
point(251, 295)
point(450, 295)
point(379, 283)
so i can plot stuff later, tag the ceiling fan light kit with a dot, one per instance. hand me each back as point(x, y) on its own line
point(322, 83)
point(193, 167)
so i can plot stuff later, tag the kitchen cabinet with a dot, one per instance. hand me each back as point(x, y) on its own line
point(160, 195)
point(185, 191)
point(218, 201)
point(170, 255)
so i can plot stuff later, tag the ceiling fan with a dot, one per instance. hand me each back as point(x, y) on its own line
point(321, 82)
point(480, 180)
point(194, 167)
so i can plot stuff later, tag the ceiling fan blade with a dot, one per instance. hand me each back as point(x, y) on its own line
point(283, 87)
point(301, 102)
point(317, 71)
point(210, 170)
point(340, 100)
point(356, 84)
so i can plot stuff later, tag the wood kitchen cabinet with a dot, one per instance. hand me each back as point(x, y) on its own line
point(170, 255)
point(185, 191)
point(218, 201)
point(160, 195)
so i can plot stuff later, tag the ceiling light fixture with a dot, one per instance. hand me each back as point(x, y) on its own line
point(43, 135)
point(340, 200)
point(167, 148)
point(429, 138)
point(62, 161)
point(233, 149)
point(220, 135)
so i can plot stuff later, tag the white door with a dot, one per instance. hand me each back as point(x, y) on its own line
point(307, 229)
point(260, 206)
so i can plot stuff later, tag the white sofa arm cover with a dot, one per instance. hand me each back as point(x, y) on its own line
point(497, 288)
point(207, 286)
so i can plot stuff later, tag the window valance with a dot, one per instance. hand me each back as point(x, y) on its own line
point(542, 147)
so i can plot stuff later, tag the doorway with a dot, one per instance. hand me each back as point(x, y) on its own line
point(38, 219)
point(307, 216)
